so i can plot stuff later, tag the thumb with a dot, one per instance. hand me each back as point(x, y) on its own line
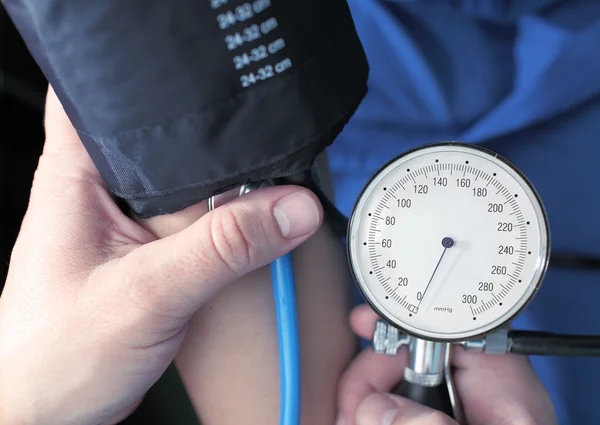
point(177, 274)
point(388, 409)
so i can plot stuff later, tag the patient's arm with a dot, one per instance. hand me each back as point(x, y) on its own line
point(229, 360)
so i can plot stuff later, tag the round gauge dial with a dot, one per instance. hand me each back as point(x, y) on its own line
point(448, 242)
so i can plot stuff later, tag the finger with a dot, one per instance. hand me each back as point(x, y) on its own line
point(177, 274)
point(387, 409)
point(71, 221)
point(362, 321)
point(63, 144)
point(66, 180)
point(490, 386)
point(501, 388)
point(70, 203)
point(368, 373)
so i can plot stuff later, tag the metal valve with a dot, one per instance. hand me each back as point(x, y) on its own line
point(387, 339)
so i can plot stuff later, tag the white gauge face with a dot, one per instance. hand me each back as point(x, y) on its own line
point(448, 242)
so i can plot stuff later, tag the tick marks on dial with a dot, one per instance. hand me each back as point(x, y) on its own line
point(512, 206)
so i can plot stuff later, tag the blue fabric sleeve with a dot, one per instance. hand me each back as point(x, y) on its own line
point(522, 80)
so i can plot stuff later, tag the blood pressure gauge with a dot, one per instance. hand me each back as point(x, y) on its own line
point(448, 242)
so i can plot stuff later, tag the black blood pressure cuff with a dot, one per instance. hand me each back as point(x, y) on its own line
point(180, 100)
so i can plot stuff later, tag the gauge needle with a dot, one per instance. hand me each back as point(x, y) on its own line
point(447, 242)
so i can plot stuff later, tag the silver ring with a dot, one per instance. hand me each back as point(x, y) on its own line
point(243, 190)
point(423, 379)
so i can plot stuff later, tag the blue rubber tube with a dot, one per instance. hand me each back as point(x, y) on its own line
point(284, 295)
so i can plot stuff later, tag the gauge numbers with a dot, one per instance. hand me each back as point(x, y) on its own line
point(448, 242)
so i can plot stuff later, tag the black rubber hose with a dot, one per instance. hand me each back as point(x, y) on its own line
point(434, 397)
point(551, 344)
point(569, 260)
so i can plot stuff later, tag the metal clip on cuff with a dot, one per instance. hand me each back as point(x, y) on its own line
point(244, 189)
point(309, 178)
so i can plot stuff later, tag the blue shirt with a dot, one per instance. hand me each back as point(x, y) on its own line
point(522, 78)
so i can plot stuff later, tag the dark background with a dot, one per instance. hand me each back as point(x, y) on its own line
point(21, 132)
point(22, 96)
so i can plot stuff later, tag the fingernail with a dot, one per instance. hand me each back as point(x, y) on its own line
point(377, 409)
point(340, 420)
point(389, 416)
point(297, 214)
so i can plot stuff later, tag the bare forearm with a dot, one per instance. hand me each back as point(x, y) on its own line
point(229, 361)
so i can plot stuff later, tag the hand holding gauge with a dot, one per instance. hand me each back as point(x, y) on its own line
point(494, 238)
